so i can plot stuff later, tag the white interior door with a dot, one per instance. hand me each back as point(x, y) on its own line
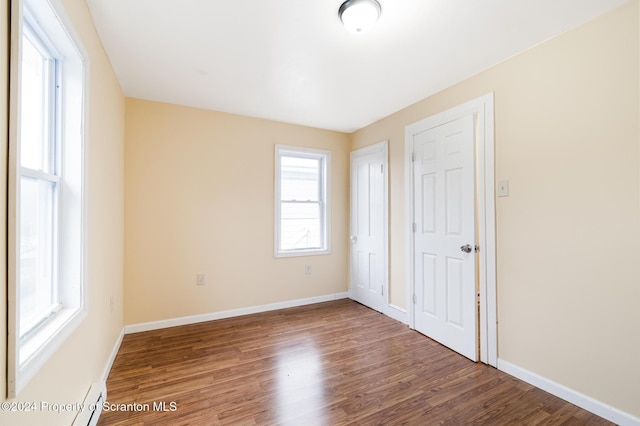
point(368, 254)
point(445, 283)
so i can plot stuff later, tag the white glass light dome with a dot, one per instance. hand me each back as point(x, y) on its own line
point(359, 16)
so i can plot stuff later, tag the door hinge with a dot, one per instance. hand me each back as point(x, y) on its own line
point(415, 300)
point(382, 290)
point(414, 227)
point(413, 156)
point(381, 168)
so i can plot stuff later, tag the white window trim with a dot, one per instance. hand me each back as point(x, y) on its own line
point(26, 358)
point(284, 149)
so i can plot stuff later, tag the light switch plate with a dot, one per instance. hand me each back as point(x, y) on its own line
point(503, 188)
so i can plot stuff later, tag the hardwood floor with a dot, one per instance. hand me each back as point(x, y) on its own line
point(332, 363)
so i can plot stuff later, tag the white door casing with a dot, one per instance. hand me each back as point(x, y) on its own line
point(482, 109)
point(444, 235)
point(369, 230)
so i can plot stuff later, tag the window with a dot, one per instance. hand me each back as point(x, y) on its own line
point(46, 252)
point(39, 179)
point(302, 202)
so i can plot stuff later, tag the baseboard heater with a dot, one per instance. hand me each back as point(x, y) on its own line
point(92, 405)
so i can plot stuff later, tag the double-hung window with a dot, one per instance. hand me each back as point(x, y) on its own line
point(39, 171)
point(302, 201)
point(46, 179)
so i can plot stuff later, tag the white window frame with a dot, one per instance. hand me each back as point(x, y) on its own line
point(324, 199)
point(47, 20)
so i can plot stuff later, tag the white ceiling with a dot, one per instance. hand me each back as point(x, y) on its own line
point(292, 61)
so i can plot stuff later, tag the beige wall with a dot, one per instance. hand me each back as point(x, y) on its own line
point(69, 373)
point(568, 139)
point(199, 199)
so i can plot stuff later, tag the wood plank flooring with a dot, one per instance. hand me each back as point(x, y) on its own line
point(333, 363)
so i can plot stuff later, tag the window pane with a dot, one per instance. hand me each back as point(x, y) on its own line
point(300, 226)
point(300, 178)
point(37, 294)
point(35, 132)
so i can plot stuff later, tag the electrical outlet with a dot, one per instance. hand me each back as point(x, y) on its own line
point(201, 279)
point(307, 269)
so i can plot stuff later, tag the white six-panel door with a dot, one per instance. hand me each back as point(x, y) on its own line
point(445, 285)
point(368, 230)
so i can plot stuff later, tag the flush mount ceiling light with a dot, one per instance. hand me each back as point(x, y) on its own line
point(359, 16)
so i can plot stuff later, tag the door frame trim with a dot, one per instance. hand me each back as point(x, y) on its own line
point(383, 147)
point(485, 198)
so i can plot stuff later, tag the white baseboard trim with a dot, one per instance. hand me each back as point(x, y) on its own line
point(581, 400)
point(193, 319)
point(112, 358)
point(396, 313)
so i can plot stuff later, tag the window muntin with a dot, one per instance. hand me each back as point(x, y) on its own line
point(301, 201)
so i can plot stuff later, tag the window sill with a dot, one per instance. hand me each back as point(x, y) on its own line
point(298, 253)
point(36, 350)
